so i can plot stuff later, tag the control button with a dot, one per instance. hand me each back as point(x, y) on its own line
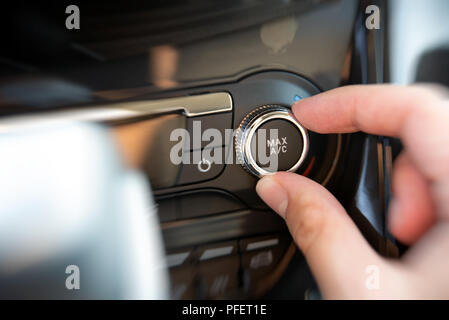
point(259, 263)
point(204, 165)
point(216, 250)
point(218, 277)
point(287, 144)
point(201, 165)
point(209, 131)
point(261, 259)
point(192, 204)
point(260, 255)
point(270, 139)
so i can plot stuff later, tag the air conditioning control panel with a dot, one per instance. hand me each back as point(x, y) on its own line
point(217, 149)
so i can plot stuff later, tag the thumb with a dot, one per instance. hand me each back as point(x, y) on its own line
point(338, 255)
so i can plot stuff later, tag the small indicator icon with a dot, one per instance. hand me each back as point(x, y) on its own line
point(204, 165)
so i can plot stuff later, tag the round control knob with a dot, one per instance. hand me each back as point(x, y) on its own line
point(270, 139)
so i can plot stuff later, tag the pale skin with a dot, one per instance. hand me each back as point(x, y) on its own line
point(418, 215)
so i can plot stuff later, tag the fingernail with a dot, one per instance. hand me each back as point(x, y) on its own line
point(273, 194)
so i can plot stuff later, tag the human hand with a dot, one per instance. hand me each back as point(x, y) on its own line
point(419, 212)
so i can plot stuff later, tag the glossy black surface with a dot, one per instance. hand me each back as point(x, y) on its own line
point(310, 38)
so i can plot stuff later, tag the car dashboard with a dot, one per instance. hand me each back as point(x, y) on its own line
point(158, 74)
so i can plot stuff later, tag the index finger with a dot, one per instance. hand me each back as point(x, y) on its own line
point(415, 114)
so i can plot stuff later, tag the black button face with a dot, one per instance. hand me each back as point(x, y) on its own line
point(278, 140)
point(218, 277)
point(202, 165)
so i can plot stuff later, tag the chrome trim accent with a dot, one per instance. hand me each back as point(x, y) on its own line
point(216, 252)
point(191, 106)
point(262, 244)
point(176, 259)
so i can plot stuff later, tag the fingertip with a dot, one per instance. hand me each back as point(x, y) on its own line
point(299, 107)
point(273, 193)
point(295, 107)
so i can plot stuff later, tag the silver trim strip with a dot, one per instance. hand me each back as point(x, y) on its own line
point(191, 106)
point(176, 259)
point(262, 244)
point(216, 252)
